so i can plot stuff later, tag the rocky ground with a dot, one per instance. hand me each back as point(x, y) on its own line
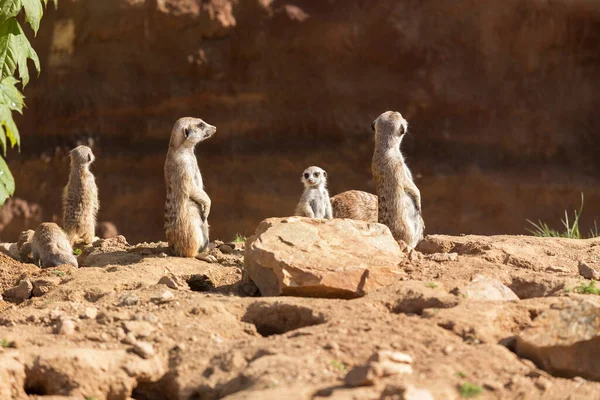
point(500, 317)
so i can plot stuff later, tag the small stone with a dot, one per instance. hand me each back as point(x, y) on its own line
point(173, 282)
point(140, 329)
point(448, 349)
point(143, 349)
point(90, 313)
point(405, 392)
point(588, 272)
point(226, 249)
point(166, 297)
point(483, 288)
point(389, 355)
point(129, 338)
point(120, 333)
point(381, 364)
point(129, 299)
point(442, 257)
point(65, 327)
point(558, 269)
point(20, 292)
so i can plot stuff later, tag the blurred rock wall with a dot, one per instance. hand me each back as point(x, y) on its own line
point(501, 98)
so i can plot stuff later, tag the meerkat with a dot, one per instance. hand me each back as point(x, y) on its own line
point(51, 247)
point(187, 205)
point(314, 202)
point(398, 197)
point(355, 204)
point(80, 198)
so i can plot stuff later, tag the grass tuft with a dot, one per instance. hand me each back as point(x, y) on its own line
point(239, 238)
point(587, 288)
point(340, 366)
point(469, 390)
point(541, 229)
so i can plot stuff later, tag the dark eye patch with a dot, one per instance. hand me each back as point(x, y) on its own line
point(201, 125)
point(316, 174)
point(306, 175)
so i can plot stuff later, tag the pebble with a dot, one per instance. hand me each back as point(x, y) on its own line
point(226, 249)
point(138, 328)
point(381, 364)
point(90, 313)
point(166, 297)
point(588, 272)
point(173, 282)
point(20, 292)
point(143, 349)
point(65, 327)
point(129, 299)
point(129, 338)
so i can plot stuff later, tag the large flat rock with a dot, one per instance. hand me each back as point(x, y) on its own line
point(565, 341)
point(321, 258)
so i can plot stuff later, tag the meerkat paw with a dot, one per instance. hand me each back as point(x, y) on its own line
point(207, 258)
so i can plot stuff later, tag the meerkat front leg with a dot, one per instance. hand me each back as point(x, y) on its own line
point(307, 210)
point(328, 211)
point(414, 192)
point(200, 197)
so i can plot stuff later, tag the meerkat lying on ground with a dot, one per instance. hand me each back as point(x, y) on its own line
point(50, 247)
point(398, 197)
point(187, 205)
point(355, 204)
point(80, 198)
point(314, 202)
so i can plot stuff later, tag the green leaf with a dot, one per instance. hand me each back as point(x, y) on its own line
point(7, 182)
point(15, 49)
point(11, 99)
point(33, 11)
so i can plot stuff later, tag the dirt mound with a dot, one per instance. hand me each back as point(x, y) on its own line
point(111, 331)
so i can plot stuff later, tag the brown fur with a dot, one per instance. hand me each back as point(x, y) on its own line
point(50, 247)
point(187, 205)
point(399, 197)
point(355, 204)
point(80, 198)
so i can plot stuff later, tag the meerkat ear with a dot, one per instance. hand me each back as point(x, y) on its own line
point(373, 126)
point(325, 174)
point(89, 158)
point(186, 132)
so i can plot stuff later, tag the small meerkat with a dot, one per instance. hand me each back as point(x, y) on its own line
point(355, 204)
point(50, 246)
point(314, 202)
point(399, 198)
point(80, 198)
point(187, 205)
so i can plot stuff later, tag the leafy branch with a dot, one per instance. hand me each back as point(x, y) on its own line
point(15, 50)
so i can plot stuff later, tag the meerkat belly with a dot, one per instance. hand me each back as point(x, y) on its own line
point(318, 207)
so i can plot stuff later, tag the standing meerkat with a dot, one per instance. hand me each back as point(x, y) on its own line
point(50, 247)
point(314, 202)
point(80, 198)
point(187, 205)
point(355, 204)
point(399, 198)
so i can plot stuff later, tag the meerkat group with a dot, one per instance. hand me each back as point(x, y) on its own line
point(187, 205)
point(398, 200)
